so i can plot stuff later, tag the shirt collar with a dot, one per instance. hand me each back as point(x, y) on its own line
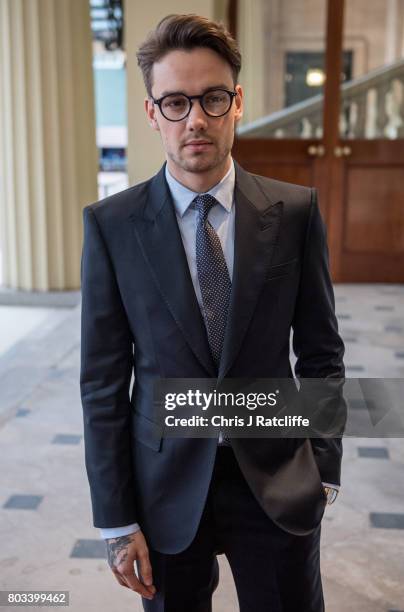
point(223, 191)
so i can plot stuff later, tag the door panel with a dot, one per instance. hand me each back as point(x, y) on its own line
point(372, 225)
point(285, 160)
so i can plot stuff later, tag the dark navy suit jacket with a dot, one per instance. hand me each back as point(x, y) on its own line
point(140, 312)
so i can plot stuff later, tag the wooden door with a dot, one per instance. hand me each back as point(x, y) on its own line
point(366, 189)
point(331, 141)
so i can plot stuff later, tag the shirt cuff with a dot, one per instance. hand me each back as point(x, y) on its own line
point(116, 532)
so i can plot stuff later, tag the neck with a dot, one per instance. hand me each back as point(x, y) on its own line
point(200, 182)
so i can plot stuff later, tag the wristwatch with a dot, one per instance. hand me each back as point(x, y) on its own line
point(331, 494)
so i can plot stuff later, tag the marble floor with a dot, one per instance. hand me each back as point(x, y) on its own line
point(46, 533)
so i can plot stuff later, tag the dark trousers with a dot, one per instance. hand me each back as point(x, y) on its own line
point(274, 571)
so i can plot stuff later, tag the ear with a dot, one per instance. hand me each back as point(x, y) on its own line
point(150, 109)
point(239, 103)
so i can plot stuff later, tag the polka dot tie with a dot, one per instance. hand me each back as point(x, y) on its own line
point(213, 275)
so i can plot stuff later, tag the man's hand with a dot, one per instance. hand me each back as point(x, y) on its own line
point(122, 553)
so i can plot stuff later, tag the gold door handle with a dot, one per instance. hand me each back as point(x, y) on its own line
point(316, 150)
point(344, 151)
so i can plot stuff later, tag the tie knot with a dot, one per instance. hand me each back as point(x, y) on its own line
point(203, 204)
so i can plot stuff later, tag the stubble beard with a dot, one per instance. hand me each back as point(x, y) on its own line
point(200, 162)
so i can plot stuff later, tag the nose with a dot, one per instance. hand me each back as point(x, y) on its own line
point(197, 119)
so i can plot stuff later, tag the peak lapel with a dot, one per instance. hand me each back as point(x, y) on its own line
point(257, 225)
point(159, 237)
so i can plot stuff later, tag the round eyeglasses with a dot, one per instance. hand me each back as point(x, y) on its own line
point(177, 106)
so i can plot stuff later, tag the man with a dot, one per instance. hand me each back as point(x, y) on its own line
point(199, 272)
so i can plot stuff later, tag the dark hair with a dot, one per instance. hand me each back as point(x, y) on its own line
point(186, 32)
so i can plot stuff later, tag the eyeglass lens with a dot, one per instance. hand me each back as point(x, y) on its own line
point(214, 103)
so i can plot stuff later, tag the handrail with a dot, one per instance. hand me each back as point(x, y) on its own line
point(310, 109)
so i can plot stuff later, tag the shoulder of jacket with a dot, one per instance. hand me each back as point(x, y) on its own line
point(284, 189)
point(118, 204)
point(297, 199)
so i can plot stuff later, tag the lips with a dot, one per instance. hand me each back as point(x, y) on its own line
point(197, 143)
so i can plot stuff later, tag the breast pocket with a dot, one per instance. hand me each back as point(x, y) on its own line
point(281, 270)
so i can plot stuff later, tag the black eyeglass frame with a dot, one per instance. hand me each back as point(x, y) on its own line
point(159, 101)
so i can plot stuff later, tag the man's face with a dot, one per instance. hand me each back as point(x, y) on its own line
point(193, 72)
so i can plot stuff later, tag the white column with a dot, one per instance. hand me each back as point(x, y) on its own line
point(48, 156)
point(145, 152)
point(251, 40)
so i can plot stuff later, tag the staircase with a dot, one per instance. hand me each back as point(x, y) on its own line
point(372, 106)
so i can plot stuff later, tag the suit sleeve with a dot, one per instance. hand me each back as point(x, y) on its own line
point(105, 374)
point(316, 342)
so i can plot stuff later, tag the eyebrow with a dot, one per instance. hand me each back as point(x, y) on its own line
point(219, 86)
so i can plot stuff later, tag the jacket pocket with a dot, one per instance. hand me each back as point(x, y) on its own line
point(282, 269)
point(147, 431)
